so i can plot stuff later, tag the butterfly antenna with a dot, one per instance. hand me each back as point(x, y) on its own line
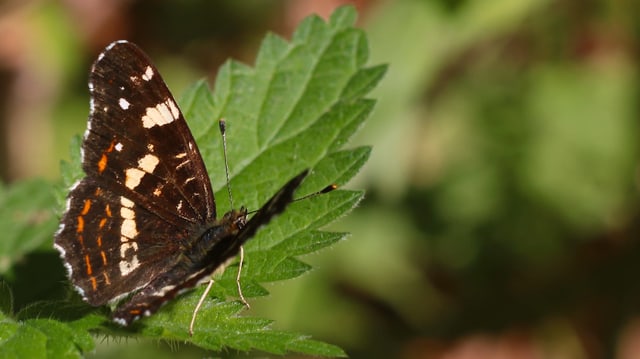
point(222, 124)
point(327, 189)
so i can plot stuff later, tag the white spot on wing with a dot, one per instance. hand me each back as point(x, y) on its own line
point(148, 163)
point(124, 104)
point(148, 74)
point(181, 164)
point(60, 249)
point(81, 291)
point(119, 146)
point(164, 290)
point(128, 229)
point(74, 186)
point(127, 213)
point(174, 109)
point(127, 267)
point(60, 229)
point(165, 111)
point(126, 202)
point(67, 206)
point(160, 115)
point(70, 273)
point(133, 177)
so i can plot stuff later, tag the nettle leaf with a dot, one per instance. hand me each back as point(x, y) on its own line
point(294, 110)
point(47, 338)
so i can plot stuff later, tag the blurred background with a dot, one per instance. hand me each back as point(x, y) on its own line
point(501, 218)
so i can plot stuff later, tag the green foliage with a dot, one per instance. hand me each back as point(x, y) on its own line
point(26, 220)
point(296, 109)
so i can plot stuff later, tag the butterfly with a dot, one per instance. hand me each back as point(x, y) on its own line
point(142, 223)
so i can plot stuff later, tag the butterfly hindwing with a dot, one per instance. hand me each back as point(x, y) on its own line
point(104, 262)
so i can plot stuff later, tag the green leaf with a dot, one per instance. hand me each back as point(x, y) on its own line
point(219, 327)
point(294, 110)
point(26, 220)
point(364, 81)
point(6, 300)
point(45, 338)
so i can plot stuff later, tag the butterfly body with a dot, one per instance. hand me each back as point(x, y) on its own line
point(142, 223)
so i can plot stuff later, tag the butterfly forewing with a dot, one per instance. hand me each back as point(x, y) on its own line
point(138, 137)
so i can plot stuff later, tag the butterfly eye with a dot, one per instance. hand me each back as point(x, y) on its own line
point(241, 220)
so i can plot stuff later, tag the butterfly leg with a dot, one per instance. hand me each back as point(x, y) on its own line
point(197, 308)
point(206, 292)
point(242, 299)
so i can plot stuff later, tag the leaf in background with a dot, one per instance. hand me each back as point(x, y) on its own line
point(46, 338)
point(26, 220)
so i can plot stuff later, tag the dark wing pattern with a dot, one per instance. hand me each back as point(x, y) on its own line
point(143, 218)
point(146, 188)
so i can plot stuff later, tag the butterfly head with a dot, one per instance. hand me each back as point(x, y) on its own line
point(235, 219)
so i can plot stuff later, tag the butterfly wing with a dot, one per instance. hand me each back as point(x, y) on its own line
point(146, 192)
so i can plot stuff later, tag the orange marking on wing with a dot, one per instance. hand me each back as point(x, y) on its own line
point(104, 257)
point(81, 240)
point(99, 240)
point(107, 210)
point(98, 192)
point(87, 206)
point(103, 221)
point(88, 262)
point(106, 278)
point(80, 228)
point(102, 164)
point(94, 283)
point(134, 311)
